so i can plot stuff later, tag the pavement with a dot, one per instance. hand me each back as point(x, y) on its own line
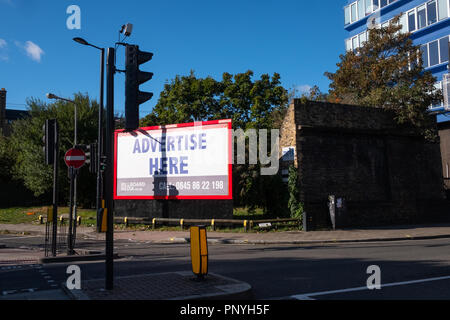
point(183, 286)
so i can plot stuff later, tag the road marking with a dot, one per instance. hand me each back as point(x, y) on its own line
point(26, 237)
point(306, 296)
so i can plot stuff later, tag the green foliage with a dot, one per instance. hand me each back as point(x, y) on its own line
point(387, 72)
point(294, 204)
point(26, 143)
point(7, 158)
point(248, 103)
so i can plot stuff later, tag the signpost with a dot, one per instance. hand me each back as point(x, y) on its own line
point(75, 158)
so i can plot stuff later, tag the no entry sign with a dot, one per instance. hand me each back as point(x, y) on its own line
point(75, 158)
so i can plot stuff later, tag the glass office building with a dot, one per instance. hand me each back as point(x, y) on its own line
point(428, 21)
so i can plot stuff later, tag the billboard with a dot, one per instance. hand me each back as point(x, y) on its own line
point(182, 161)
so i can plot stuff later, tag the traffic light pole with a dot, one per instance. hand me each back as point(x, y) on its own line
point(70, 232)
point(55, 189)
point(109, 176)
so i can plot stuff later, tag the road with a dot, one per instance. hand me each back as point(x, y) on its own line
point(415, 269)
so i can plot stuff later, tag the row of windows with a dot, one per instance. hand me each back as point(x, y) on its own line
point(435, 52)
point(427, 14)
point(362, 8)
point(413, 20)
point(418, 18)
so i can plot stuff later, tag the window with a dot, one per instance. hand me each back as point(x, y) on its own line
point(347, 15)
point(433, 50)
point(354, 16)
point(424, 50)
point(361, 9)
point(412, 21)
point(362, 38)
point(431, 12)
point(368, 7)
point(443, 9)
point(375, 5)
point(348, 45)
point(355, 43)
point(421, 17)
point(404, 23)
point(443, 48)
point(383, 3)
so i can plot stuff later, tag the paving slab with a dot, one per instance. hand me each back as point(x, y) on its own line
point(164, 286)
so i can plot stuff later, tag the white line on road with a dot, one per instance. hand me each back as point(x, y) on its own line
point(305, 296)
point(26, 237)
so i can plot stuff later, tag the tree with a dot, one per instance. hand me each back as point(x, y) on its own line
point(248, 103)
point(257, 104)
point(387, 72)
point(26, 143)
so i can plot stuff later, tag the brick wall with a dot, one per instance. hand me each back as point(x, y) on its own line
point(387, 174)
point(444, 134)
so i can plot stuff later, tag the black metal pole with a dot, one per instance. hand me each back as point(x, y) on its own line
point(109, 177)
point(55, 189)
point(70, 233)
point(100, 140)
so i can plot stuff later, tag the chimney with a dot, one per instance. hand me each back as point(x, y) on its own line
point(2, 108)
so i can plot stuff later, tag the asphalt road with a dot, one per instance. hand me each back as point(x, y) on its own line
point(416, 269)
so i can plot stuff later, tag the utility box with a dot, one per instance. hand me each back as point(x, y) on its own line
point(337, 208)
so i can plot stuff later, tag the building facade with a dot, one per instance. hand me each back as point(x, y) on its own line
point(8, 116)
point(427, 20)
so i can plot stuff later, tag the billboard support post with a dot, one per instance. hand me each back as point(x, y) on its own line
point(109, 176)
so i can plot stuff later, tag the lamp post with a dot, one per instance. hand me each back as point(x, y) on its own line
point(100, 127)
point(73, 175)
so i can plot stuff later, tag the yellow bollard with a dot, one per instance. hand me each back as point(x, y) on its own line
point(153, 223)
point(104, 221)
point(125, 220)
point(182, 223)
point(79, 220)
point(213, 225)
point(199, 251)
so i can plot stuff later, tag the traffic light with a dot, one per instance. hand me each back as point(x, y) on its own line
point(133, 78)
point(49, 140)
point(91, 157)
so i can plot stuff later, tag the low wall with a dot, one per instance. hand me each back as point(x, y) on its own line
point(187, 209)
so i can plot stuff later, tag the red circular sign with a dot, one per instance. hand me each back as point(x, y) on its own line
point(75, 158)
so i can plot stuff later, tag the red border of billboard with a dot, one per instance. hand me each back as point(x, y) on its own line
point(181, 125)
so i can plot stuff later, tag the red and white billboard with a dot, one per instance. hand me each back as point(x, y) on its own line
point(182, 161)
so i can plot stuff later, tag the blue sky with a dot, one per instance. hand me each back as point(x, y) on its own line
point(298, 39)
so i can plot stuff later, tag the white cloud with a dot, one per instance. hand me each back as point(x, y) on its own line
point(33, 50)
point(304, 88)
point(3, 43)
point(8, 2)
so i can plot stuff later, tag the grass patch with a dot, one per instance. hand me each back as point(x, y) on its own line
point(20, 215)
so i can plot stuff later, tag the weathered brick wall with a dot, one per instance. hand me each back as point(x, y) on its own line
point(444, 134)
point(288, 133)
point(387, 174)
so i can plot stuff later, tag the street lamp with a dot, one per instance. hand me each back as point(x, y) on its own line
point(55, 97)
point(73, 175)
point(100, 126)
